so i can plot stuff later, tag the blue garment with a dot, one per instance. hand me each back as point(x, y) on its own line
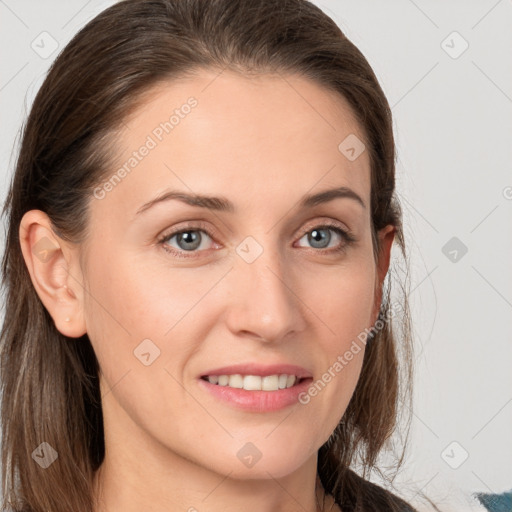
point(496, 502)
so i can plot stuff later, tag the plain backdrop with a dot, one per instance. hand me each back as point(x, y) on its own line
point(446, 69)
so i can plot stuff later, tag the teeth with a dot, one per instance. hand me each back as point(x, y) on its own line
point(236, 381)
point(254, 382)
point(270, 383)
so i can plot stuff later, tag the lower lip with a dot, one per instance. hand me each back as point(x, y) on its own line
point(257, 401)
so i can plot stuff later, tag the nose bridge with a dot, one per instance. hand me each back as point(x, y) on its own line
point(265, 303)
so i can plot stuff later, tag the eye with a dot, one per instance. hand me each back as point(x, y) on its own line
point(320, 237)
point(188, 240)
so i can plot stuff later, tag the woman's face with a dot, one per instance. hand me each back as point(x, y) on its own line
point(254, 287)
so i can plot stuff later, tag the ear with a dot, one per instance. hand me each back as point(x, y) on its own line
point(386, 237)
point(54, 269)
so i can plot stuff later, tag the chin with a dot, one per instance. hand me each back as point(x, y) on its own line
point(252, 463)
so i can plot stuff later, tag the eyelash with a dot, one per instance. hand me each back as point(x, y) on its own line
point(348, 237)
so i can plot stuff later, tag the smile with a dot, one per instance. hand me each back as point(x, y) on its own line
point(254, 382)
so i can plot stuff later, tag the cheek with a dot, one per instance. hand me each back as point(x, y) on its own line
point(342, 300)
point(129, 302)
point(144, 324)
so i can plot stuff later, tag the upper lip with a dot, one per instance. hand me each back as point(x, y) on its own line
point(261, 370)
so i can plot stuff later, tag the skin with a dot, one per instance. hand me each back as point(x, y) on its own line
point(261, 142)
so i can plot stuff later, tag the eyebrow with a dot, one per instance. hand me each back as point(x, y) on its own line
point(223, 204)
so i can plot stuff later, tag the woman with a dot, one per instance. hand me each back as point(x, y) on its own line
point(199, 231)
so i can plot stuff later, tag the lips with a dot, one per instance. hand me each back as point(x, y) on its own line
point(256, 388)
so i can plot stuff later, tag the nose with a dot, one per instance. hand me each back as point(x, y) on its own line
point(265, 302)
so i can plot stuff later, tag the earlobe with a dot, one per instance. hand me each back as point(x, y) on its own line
point(51, 263)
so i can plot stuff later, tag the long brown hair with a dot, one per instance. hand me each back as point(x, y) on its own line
point(50, 386)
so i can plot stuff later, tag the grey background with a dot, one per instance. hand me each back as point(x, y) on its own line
point(453, 122)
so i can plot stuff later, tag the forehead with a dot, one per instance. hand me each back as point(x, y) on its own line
point(248, 137)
